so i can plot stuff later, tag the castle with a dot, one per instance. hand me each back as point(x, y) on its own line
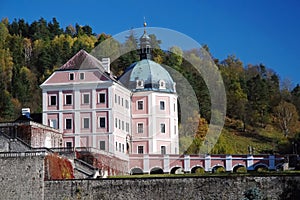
point(135, 113)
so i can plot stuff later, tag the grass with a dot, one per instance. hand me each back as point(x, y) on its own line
point(225, 174)
point(264, 140)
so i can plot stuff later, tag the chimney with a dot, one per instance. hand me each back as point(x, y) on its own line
point(26, 112)
point(106, 64)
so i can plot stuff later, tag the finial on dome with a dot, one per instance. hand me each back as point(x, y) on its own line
point(145, 25)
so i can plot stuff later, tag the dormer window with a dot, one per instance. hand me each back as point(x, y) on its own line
point(81, 76)
point(71, 76)
point(139, 84)
point(162, 84)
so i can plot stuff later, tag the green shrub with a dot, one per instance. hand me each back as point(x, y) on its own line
point(199, 171)
point(241, 170)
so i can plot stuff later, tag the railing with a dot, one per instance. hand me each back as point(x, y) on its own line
point(22, 154)
point(63, 149)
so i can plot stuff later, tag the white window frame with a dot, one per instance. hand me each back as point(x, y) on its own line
point(138, 149)
point(99, 94)
point(162, 84)
point(137, 104)
point(53, 120)
point(165, 151)
point(83, 99)
point(137, 128)
point(102, 141)
point(71, 99)
point(71, 75)
point(164, 104)
point(66, 123)
point(139, 84)
point(99, 124)
point(83, 124)
point(50, 100)
point(81, 74)
point(162, 128)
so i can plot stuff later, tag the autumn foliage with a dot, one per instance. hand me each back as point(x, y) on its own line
point(58, 168)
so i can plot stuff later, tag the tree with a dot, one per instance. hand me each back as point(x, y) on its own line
point(286, 117)
point(199, 137)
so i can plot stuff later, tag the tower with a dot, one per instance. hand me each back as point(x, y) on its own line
point(153, 104)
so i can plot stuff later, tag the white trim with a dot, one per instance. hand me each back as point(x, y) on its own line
point(71, 73)
point(161, 128)
point(66, 124)
point(81, 73)
point(137, 149)
point(164, 103)
point(68, 94)
point(105, 121)
point(137, 127)
point(99, 93)
point(82, 98)
point(84, 118)
point(137, 104)
point(49, 99)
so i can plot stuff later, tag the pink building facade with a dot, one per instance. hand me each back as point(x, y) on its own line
point(133, 114)
point(88, 105)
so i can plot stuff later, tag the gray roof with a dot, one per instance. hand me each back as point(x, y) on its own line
point(151, 73)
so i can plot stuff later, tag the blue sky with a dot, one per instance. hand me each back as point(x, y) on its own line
point(256, 31)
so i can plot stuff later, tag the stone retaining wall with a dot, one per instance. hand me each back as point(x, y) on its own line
point(271, 187)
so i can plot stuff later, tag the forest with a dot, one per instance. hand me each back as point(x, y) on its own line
point(262, 110)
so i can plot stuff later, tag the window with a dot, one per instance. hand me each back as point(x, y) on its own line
point(140, 105)
point(116, 122)
point(123, 125)
point(120, 147)
point(122, 102)
point(68, 100)
point(119, 124)
point(139, 84)
point(71, 76)
point(116, 146)
point(162, 84)
point(81, 76)
point(86, 122)
point(162, 105)
point(68, 123)
point(101, 98)
point(163, 150)
point(116, 101)
point(102, 122)
point(123, 148)
point(175, 130)
point(119, 100)
point(126, 104)
point(86, 98)
point(127, 127)
point(102, 145)
point(140, 149)
point(53, 100)
point(53, 123)
point(162, 128)
point(140, 127)
point(69, 145)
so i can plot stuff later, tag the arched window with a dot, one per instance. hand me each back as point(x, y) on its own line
point(162, 84)
point(139, 84)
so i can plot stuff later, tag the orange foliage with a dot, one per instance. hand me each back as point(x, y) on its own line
point(58, 168)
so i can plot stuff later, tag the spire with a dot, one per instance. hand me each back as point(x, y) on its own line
point(145, 44)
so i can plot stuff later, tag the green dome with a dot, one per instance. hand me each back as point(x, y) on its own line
point(146, 75)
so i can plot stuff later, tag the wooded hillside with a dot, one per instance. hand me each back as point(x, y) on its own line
point(256, 97)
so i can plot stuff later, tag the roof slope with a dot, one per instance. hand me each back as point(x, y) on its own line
point(82, 60)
